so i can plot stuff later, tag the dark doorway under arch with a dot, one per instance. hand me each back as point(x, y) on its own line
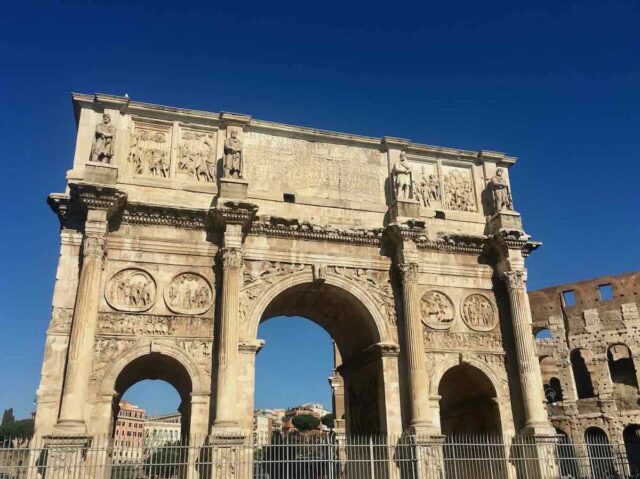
point(631, 435)
point(468, 402)
point(584, 385)
point(601, 456)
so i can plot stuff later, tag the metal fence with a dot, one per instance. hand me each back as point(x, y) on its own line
point(320, 456)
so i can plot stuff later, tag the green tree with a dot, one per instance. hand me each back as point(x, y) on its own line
point(329, 420)
point(17, 429)
point(7, 417)
point(305, 422)
point(167, 461)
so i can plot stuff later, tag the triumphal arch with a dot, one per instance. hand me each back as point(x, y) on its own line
point(182, 230)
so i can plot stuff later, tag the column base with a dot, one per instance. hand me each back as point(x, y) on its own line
point(229, 453)
point(70, 428)
point(65, 455)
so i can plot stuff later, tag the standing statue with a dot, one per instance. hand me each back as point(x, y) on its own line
point(102, 149)
point(501, 193)
point(402, 179)
point(233, 156)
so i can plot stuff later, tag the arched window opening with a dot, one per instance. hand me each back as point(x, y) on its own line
point(584, 386)
point(601, 456)
point(543, 333)
point(552, 386)
point(291, 379)
point(151, 417)
point(631, 435)
point(567, 457)
point(623, 375)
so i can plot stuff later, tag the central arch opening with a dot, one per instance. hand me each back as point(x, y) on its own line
point(355, 379)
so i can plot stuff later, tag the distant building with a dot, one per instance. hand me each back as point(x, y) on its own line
point(128, 440)
point(312, 409)
point(161, 430)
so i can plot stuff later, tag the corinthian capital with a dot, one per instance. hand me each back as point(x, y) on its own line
point(514, 279)
point(408, 272)
point(232, 257)
point(94, 245)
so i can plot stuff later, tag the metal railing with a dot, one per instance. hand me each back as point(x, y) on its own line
point(318, 456)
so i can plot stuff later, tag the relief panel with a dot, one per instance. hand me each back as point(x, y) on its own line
point(196, 158)
point(437, 310)
point(131, 289)
point(459, 193)
point(188, 293)
point(150, 150)
point(479, 313)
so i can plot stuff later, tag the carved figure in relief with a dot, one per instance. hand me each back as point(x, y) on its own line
point(478, 313)
point(148, 154)
point(427, 190)
point(232, 165)
point(102, 149)
point(501, 192)
point(189, 293)
point(132, 290)
point(458, 192)
point(402, 178)
point(196, 156)
point(437, 310)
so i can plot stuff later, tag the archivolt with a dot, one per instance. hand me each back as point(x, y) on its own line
point(256, 311)
point(199, 381)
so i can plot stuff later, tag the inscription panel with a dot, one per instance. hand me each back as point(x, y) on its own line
point(314, 169)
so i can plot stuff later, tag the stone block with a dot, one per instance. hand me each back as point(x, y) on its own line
point(232, 188)
point(402, 210)
point(101, 173)
point(505, 220)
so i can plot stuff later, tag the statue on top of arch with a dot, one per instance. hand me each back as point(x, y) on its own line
point(232, 164)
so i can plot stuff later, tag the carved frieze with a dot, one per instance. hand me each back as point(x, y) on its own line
point(437, 310)
point(188, 293)
point(131, 289)
point(109, 349)
point(458, 190)
point(196, 157)
point(61, 319)
point(153, 325)
point(267, 270)
point(479, 313)
point(445, 340)
point(149, 152)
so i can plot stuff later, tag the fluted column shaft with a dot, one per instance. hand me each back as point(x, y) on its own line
point(528, 366)
point(226, 390)
point(414, 346)
point(81, 342)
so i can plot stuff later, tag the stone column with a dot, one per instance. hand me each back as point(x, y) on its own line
point(414, 347)
point(528, 366)
point(226, 390)
point(85, 317)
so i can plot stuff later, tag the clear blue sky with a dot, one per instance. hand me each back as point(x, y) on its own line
point(555, 83)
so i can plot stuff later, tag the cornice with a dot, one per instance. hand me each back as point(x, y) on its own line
point(154, 215)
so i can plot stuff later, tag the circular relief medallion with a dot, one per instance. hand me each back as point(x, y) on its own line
point(479, 313)
point(437, 310)
point(188, 293)
point(131, 289)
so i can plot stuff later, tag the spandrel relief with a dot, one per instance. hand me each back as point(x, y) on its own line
point(149, 153)
point(131, 289)
point(189, 293)
point(479, 313)
point(196, 157)
point(437, 310)
point(459, 193)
